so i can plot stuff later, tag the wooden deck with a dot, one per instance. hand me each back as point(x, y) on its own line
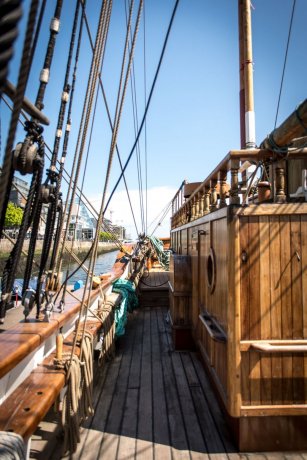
point(150, 403)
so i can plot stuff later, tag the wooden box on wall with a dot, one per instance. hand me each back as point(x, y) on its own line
point(180, 273)
point(180, 285)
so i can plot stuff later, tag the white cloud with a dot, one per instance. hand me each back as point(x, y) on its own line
point(158, 199)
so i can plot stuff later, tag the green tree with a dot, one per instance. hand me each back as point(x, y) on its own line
point(13, 216)
point(105, 236)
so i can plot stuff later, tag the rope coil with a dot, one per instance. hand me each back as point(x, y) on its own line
point(77, 403)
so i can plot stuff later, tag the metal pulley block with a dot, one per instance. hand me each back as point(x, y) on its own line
point(47, 312)
point(47, 193)
point(24, 157)
point(27, 302)
point(53, 283)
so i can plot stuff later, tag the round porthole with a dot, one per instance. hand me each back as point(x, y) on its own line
point(211, 270)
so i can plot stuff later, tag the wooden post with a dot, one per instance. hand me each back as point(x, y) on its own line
point(201, 203)
point(197, 206)
point(234, 191)
point(213, 201)
point(280, 195)
point(192, 204)
point(207, 200)
point(234, 321)
point(59, 346)
point(223, 181)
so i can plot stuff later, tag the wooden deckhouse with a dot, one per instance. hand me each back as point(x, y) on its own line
point(244, 296)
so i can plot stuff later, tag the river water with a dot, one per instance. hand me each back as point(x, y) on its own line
point(104, 264)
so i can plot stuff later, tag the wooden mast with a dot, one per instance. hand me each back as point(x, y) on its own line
point(241, 65)
point(247, 113)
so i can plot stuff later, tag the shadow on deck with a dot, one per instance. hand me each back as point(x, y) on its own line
point(151, 402)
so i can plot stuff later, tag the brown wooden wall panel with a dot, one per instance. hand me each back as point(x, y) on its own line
point(244, 279)
point(296, 269)
point(255, 376)
point(254, 279)
point(219, 243)
point(304, 272)
point(297, 310)
point(216, 357)
point(180, 310)
point(266, 380)
point(264, 277)
point(193, 254)
point(284, 384)
point(245, 384)
point(304, 291)
point(275, 287)
point(285, 278)
point(204, 247)
point(184, 242)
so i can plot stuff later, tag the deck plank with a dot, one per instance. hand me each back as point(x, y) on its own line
point(152, 403)
point(161, 431)
point(145, 409)
point(206, 397)
point(176, 423)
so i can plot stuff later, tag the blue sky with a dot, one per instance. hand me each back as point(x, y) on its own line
point(193, 120)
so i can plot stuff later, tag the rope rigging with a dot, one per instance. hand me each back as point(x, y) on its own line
point(88, 282)
point(7, 171)
point(147, 105)
point(10, 14)
point(285, 62)
point(111, 124)
point(135, 122)
point(163, 214)
point(145, 126)
point(97, 60)
point(79, 193)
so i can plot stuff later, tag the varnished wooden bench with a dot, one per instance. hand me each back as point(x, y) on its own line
point(28, 404)
point(23, 410)
point(29, 401)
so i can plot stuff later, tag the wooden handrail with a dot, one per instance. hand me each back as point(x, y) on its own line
point(269, 348)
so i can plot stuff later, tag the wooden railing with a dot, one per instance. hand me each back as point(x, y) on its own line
point(224, 186)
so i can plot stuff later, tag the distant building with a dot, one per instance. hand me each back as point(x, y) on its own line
point(42, 221)
point(19, 197)
point(81, 226)
point(119, 231)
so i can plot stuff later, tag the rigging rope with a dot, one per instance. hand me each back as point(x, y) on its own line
point(135, 122)
point(84, 199)
point(145, 126)
point(103, 27)
point(56, 248)
point(10, 14)
point(89, 280)
point(163, 217)
point(37, 31)
point(111, 124)
point(285, 62)
point(147, 105)
point(96, 63)
point(7, 173)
